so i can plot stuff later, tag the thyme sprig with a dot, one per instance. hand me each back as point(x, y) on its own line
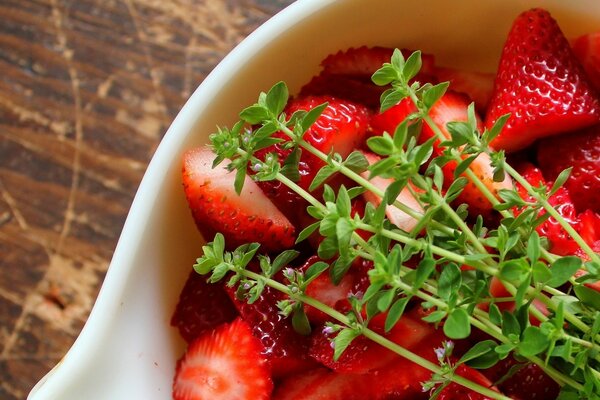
point(564, 343)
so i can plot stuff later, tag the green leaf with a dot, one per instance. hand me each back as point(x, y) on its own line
point(560, 180)
point(395, 313)
point(433, 94)
point(456, 188)
point(393, 191)
point(495, 314)
point(533, 247)
point(306, 232)
point(277, 98)
point(514, 270)
point(324, 173)
point(300, 321)
point(311, 116)
point(588, 296)
point(254, 114)
point(450, 281)
point(283, 259)
point(240, 178)
point(457, 325)
point(412, 66)
point(384, 75)
point(342, 341)
point(478, 350)
point(533, 342)
point(463, 165)
point(397, 60)
point(435, 316)
point(290, 165)
point(314, 271)
point(357, 162)
point(510, 324)
point(390, 98)
point(491, 134)
point(424, 271)
point(541, 273)
point(386, 299)
point(563, 269)
point(460, 132)
point(382, 145)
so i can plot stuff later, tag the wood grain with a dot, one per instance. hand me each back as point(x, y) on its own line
point(87, 89)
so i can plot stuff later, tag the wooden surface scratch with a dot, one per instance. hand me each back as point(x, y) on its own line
point(87, 89)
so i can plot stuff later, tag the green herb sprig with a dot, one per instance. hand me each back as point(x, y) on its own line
point(566, 342)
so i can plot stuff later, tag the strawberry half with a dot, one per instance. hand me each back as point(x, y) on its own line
point(341, 128)
point(580, 150)
point(202, 306)
point(225, 363)
point(285, 350)
point(587, 51)
point(541, 83)
point(216, 207)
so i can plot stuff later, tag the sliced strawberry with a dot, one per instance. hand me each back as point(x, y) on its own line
point(326, 385)
point(478, 86)
point(541, 83)
point(451, 107)
point(397, 217)
point(587, 51)
point(216, 207)
point(202, 306)
point(560, 241)
point(285, 350)
point(580, 150)
point(225, 363)
point(364, 61)
point(363, 355)
point(454, 391)
point(356, 89)
point(529, 382)
point(341, 128)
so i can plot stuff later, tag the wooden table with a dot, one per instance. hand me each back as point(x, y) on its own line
point(87, 89)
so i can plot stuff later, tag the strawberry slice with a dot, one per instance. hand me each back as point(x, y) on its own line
point(364, 61)
point(285, 350)
point(529, 382)
point(225, 363)
point(560, 241)
point(451, 107)
point(363, 355)
point(202, 306)
point(216, 207)
point(541, 83)
point(397, 217)
point(324, 384)
point(478, 86)
point(580, 150)
point(341, 128)
point(587, 51)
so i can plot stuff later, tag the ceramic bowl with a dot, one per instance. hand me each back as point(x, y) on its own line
point(127, 350)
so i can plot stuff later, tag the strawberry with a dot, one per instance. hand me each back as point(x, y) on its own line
point(541, 83)
point(341, 127)
point(397, 217)
point(347, 74)
point(451, 107)
point(216, 207)
point(478, 86)
point(454, 391)
point(580, 150)
point(528, 382)
point(285, 350)
point(364, 61)
point(202, 306)
point(560, 241)
point(225, 363)
point(587, 51)
point(326, 385)
point(363, 355)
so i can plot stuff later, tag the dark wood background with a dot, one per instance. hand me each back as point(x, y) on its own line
point(87, 89)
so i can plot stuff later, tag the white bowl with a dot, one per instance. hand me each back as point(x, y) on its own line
point(127, 349)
